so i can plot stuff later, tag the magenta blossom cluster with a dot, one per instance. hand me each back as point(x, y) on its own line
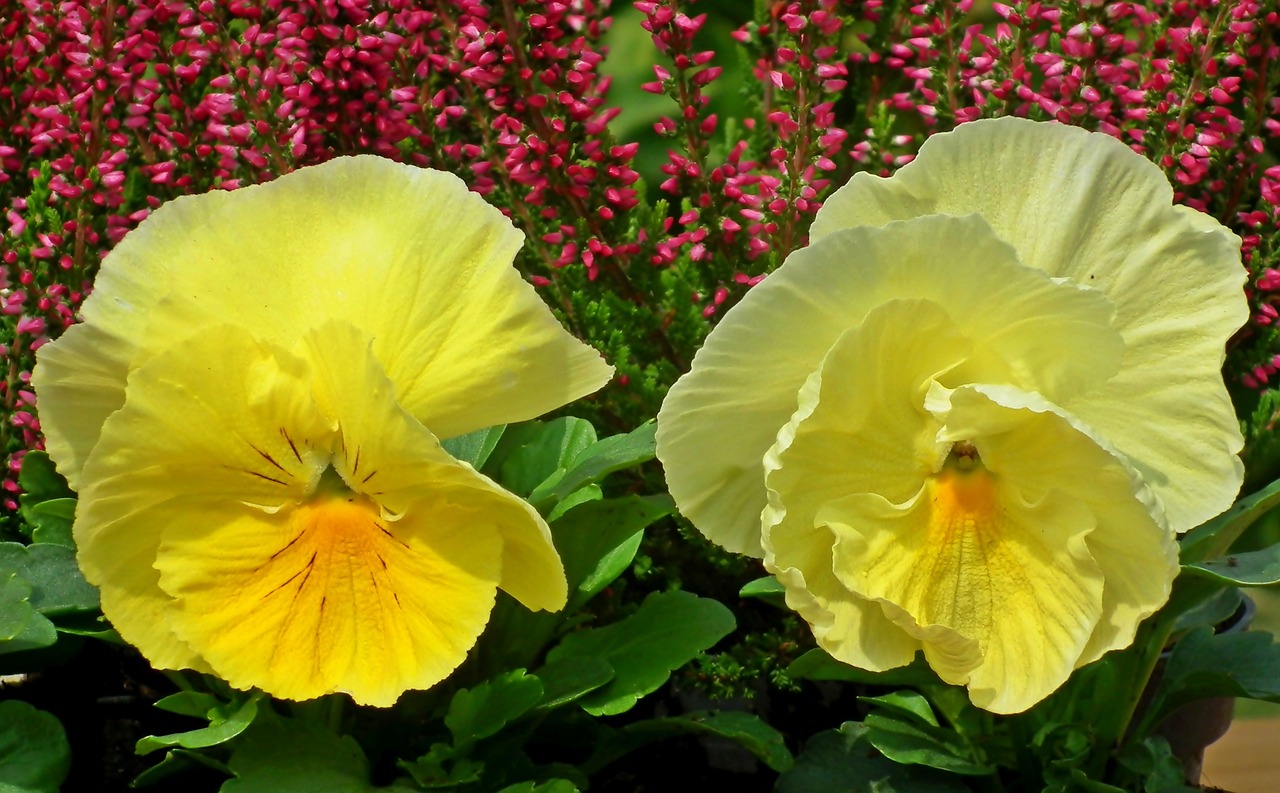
point(108, 108)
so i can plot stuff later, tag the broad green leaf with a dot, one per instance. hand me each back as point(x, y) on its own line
point(816, 664)
point(1255, 568)
point(666, 632)
point(574, 499)
point(289, 756)
point(570, 678)
point(22, 627)
point(226, 721)
point(51, 521)
point(597, 540)
point(1212, 611)
point(40, 482)
point(841, 761)
point(905, 740)
point(1203, 664)
point(34, 754)
point(768, 589)
point(196, 704)
point(477, 713)
point(529, 454)
point(474, 448)
point(1214, 537)
point(57, 587)
point(597, 461)
point(911, 704)
point(176, 761)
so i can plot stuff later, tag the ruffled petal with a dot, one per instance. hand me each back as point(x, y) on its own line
point(1083, 206)
point(407, 255)
point(1045, 450)
point(80, 380)
point(969, 556)
point(1053, 337)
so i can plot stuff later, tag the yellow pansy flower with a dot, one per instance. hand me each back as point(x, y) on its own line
point(969, 418)
point(251, 412)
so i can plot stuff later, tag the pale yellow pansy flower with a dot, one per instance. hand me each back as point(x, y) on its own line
point(252, 412)
point(969, 418)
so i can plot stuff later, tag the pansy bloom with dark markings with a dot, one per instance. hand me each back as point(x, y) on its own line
point(251, 412)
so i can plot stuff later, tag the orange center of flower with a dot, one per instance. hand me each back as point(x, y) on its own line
point(964, 501)
point(963, 546)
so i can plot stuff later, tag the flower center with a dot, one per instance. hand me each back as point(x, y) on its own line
point(964, 499)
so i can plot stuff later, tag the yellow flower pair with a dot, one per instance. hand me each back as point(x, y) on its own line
point(968, 419)
point(971, 416)
point(251, 412)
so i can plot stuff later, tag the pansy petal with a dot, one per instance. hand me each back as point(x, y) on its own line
point(967, 555)
point(183, 443)
point(1047, 451)
point(392, 457)
point(743, 384)
point(332, 596)
point(407, 255)
point(1085, 207)
point(80, 380)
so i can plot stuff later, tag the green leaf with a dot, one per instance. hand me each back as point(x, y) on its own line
point(1213, 537)
point(549, 786)
point(477, 713)
point(841, 761)
point(226, 721)
point(474, 448)
point(57, 586)
point(529, 454)
point(768, 589)
point(1203, 664)
point(1063, 779)
point(905, 740)
point(668, 630)
point(1255, 568)
point(568, 679)
point(22, 627)
point(288, 756)
point(40, 482)
point(1214, 610)
point(911, 704)
point(598, 461)
point(745, 729)
point(816, 664)
point(51, 521)
point(441, 769)
point(576, 498)
point(597, 541)
point(1153, 764)
point(196, 704)
point(34, 754)
point(177, 761)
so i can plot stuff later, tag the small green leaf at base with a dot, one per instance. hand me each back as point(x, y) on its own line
point(34, 754)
